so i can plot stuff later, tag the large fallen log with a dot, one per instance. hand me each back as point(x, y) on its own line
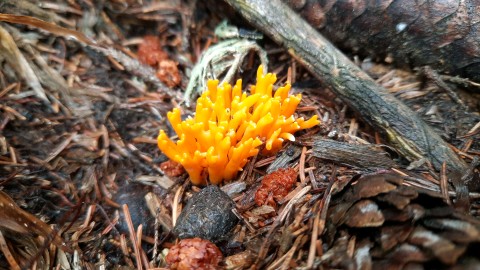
point(404, 129)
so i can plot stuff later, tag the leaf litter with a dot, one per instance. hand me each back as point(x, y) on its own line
point(82, 181)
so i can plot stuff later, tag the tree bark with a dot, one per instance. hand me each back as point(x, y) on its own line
point(406, 132)
point(442, 34)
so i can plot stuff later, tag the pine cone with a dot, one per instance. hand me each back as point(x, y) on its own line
point(376, 222)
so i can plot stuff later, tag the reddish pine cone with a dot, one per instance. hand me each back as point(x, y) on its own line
point(194, 253)
point(275, 186)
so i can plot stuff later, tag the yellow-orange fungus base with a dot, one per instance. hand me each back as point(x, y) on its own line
point(229, 126)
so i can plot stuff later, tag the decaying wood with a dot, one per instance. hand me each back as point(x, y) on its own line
point(441, 34)
point(360, 156)
point(286, 157)
point(409, 134)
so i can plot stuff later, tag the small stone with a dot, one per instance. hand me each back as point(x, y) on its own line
point(207, 215)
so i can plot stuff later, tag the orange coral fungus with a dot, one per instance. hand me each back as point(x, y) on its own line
point(275, 186)
point(194, 253)
point(229, 126)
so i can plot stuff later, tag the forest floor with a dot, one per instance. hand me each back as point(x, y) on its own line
point(78, 151)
